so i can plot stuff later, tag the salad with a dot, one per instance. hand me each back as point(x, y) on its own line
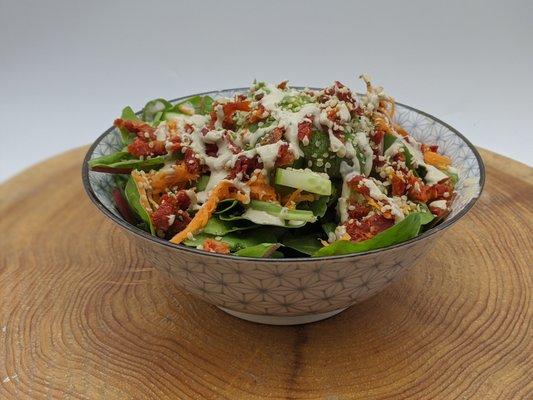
point(278, 172)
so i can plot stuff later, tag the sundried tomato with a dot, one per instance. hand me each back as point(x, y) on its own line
point(304, 130)
point(285, 157)
point(191, 162)
point(141, 148)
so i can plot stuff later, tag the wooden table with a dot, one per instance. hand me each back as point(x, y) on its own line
point(83, 317)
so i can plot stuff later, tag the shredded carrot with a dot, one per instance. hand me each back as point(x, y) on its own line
point(290, 203)
point(400, 130)
point(345, 237)
point(297, 197)
point(375, 205)
point(260, 189)
point(223, 191)
point(179, 177)
point(141, 181)
point(437, 160)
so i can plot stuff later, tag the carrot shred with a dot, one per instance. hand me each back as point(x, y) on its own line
point(437, 160)
point(180, 177)
point(141, 181)
point(260, 189)
point(222, 191)
point(290, 203)
point(401, 131)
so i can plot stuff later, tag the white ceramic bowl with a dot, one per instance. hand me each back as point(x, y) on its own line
point(294, 290)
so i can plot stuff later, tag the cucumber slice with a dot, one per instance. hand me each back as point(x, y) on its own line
point(304, 179)
point(282, 212)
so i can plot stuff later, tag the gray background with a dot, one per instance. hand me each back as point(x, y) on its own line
point(68, 67)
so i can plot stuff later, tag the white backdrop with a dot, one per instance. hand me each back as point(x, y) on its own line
point(68, 67)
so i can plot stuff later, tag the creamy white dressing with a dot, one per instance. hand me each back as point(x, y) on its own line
point(439, 204)
point(253, 137)
point(347, 173)
point(340, 232)
point(335, 144)
point(434, 175)
point(272, 99)
point(196, 119)
point(161, 132)
point(394, 149)
point(374, 190)
point(269, 154)
point(290, 120)
point(364, 145)
point(343, 112)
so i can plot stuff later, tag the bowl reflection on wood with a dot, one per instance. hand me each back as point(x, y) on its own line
point(293, 291)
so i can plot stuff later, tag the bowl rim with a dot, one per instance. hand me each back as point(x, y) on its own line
point(145, 235)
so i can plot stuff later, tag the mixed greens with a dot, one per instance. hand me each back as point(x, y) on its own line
point(278, 172)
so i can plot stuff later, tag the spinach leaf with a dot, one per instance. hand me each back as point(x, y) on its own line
point(404, 230)
point(262, 250)
point(153, 108)
point(109, 159)
point(133, 198)
point(129, 115)
point(216, 226)
point(308, 244)
point(226, 205)
point(201, 104)
point(277, 254)
point(329, 227)
point(127, 165)
point(236, 240)
point(319, 206)
point(454, 178)
point(388, 140)
point(318, 152)
point(202, 182)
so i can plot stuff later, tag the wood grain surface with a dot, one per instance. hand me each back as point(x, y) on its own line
point(83, 317)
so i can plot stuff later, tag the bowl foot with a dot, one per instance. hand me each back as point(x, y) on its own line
point(282, 320)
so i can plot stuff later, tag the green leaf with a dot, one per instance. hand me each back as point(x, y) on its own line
point(329, 227)
point(453, 176)
point(109, 159)
point(282, 212)
point(216, 226)
point(202, 183)
point(408, 158)
point(129, 165)
point(237, 240)
point(404, 230)
point(388, 140)
point(201, 104)
point(129, 115)
point(262, 250)
point(315, 150)
point(133, 198)
point(307, 244)
point(225, 206)
point(277, 254)
point(153, 108)
point(319, 206)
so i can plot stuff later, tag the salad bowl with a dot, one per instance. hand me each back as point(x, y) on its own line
point(293, 290)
